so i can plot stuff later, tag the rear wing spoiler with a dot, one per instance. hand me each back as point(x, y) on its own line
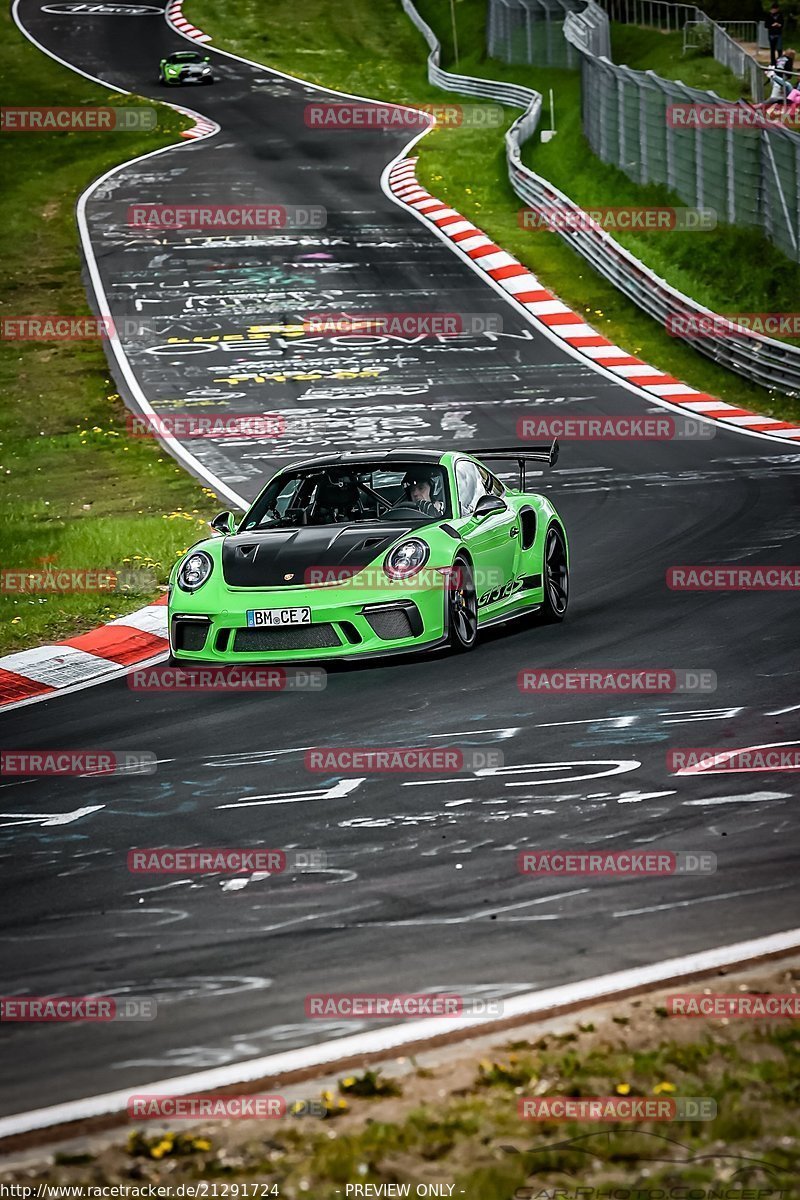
point(545, 454)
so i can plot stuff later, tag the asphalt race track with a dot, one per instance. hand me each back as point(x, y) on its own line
point(421, 889)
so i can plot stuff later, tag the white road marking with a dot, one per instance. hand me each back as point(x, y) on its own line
point(340, 789)
point(748, 798)
point(507, 732)
point(46, 820)
point(636, 912)
point(715, 764)
point(486, 912)
point(393, 1038)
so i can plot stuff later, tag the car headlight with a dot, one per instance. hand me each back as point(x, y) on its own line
point(406, 559)
point(206, 70)
point(195, 570)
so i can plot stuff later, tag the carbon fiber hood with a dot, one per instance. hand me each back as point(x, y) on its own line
point(260, 560)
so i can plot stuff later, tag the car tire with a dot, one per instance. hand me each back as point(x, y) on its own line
point(555, 576)
point(462, 607)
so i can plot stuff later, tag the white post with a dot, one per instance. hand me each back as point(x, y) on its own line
point(455, 31)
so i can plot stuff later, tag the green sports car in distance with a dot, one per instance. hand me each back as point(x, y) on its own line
point(185, 66)
point(357, 554)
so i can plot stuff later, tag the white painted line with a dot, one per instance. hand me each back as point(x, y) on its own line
point(747, 798)
point(388, 1041)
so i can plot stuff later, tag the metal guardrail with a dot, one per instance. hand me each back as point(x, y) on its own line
point(763, 360)
point(590, 30)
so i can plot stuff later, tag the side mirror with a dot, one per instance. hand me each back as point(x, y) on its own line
point(223, 523)
point(487, 505)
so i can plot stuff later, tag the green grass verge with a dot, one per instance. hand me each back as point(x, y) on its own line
point(370, 47)
point(76, 490)
point(457, 1124)
point(652, 50)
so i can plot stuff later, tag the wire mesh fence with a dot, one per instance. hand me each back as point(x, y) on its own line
point(710, 152)
point(764, 360)
point(531, 32)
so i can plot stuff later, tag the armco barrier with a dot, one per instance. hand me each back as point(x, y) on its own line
point(765, 361)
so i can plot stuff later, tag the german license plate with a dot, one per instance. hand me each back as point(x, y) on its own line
point(278, 616)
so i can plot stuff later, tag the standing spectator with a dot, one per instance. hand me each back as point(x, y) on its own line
point(774, 24)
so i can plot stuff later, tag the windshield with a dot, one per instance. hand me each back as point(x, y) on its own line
point(185, 56)
point(402, 492)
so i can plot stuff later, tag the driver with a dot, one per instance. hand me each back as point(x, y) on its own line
point(419, 490)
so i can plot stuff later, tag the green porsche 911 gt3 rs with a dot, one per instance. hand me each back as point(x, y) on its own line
point(359, 554)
